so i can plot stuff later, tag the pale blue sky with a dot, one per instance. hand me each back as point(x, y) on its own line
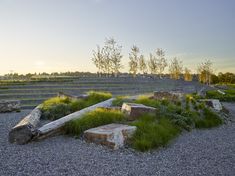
point(59, 35)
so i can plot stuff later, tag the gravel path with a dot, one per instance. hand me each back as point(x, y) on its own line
point(200, 152)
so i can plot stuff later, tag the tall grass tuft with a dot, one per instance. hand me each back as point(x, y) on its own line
point(210, 119)
point(152, 133)
point(93, 119)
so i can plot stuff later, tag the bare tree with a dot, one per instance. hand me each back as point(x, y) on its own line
point(133, 62)
point(152, 64)
point(98, 59)
point(157, 62)
point(205, 71)
point(187, 74)
point(113, 56)
point(142, 65)
point(161, 61)
point(108, 58)
point(175, 68)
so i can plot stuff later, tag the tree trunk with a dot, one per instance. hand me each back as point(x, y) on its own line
point(24, 131)
point(55, 126)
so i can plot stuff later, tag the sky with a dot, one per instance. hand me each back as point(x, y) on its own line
point(59, 35)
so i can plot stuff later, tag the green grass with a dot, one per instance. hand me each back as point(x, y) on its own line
point(229, 95)
point(57, 107)
point(210, 120)
point(93, 119)
point(145, 100)
point(120, 100)
point(231, 86)
point(152, 133)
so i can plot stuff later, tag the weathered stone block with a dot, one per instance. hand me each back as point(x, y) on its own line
point(64, 95)
point(173, 96)
point(113, 136)
point(134, 110)
point(214, 103)
point(9, 105)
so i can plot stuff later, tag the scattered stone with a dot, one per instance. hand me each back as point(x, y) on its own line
point(134, 110)
point(214, 103)
point(64, 95)
point(113, 136)
point(173, 96)
point(9, 105)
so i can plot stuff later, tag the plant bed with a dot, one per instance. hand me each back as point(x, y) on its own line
point(153, 130)
point(58, 107)
point(229, 95)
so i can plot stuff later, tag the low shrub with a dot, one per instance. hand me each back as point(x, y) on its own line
point(228, 96)
point(93, 119)
point(152, 133)
point(55, 108)
point(58, 107)
point(120, 100)
point(148, 102)
point(210, 119)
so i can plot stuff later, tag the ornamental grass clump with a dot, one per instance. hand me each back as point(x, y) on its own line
point(209, 120)
point(57, 107)
point(153, 133)
point(98, 117)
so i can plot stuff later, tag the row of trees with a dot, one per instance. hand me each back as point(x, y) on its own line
point(227, 78)
point(107, 59)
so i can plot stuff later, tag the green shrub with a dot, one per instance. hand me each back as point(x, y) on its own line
point(93, 119)
point(210, 119)
point(120, 100)
point(55, 108)
point(96, 97)
point(172, 108)
point(152, 133)
point(231, 86)
point(148, 102)
point(229, 95)
point(201, 106)
point(58, 107)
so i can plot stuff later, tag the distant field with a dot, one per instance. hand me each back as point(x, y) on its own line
point(31, 93)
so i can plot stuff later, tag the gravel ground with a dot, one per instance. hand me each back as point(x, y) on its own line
point(200, 152)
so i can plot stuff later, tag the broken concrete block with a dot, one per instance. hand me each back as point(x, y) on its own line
point(134, 110)
point(9, 105)
point(214, 103)
point(113, 136)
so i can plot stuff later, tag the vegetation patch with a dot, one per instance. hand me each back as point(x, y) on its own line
point(228, 96)
point(153, 130)
point(98, 117)
point(152, 133)
point(58, 107)
point(210, 119)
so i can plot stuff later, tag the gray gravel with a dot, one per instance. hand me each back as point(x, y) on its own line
point(200, 152)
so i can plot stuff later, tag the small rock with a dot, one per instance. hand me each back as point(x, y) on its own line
point(9, 105)
point(161, 95)
point(134, 110)
point(214, 103)
point(113, 136)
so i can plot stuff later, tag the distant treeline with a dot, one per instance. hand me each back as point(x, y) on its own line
point(224, 78)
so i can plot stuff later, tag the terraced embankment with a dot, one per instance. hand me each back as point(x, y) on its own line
point(31, 94)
